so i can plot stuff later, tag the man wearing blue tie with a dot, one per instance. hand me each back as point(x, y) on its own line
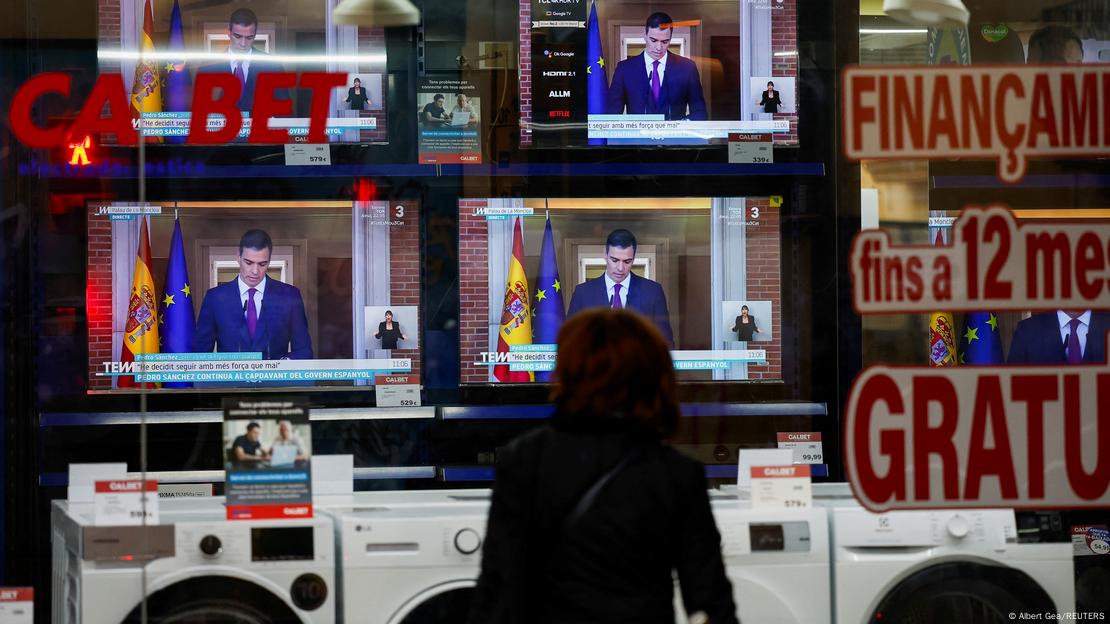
point(620, 288)
point(254, 313)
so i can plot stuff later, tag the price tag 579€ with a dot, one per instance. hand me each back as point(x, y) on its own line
point(776, 487)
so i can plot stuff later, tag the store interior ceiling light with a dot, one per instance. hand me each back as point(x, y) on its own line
point(376, 13)
point(927, 12)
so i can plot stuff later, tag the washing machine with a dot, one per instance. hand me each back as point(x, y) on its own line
point(212, 570)
point(418, 564)
point(777, 561)
point(964, 565)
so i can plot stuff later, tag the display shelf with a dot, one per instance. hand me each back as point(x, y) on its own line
point(729, 471)
point(486, 473)
point(76, 419)
point(371, 473)
point(691, 410)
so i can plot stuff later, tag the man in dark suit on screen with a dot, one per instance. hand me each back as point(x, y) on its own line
point(243, 61)
point(618, 287)
point(657, 81)
point(254, 313)
point(1060, 337)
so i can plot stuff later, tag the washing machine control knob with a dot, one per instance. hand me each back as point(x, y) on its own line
point(467, 541)
point(958, 526)
point(211, 546)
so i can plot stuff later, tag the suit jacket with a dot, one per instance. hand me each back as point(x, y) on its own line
point(357, 100)
point(614, 565)
point(282, 330)
point(772, 104)
point(644, 296)
point(630, 91)
point(1037, 340)
point(258, 64)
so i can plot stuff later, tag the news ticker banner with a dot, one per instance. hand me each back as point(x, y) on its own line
point(1008, 113)
point(267, 453)
point(247, 367)
point(1028, 436)
point(542, 357)
point(656, 127)
point(165, 124)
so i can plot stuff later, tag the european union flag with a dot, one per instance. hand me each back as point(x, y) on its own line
point(548, 298)
point(597, 82)
point(980, 341)
point(175, 97)
point(176, 309)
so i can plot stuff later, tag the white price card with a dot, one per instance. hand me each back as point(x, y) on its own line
point(17, 605)
point(750, 148)
point(397, 390)
point(307, 154)
point(125, 502)
point(806, 446)
point(776, 487)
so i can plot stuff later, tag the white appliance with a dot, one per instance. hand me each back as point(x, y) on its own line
point(218, 570)
point(940, 566)
point(415, 558)
point(777, 560)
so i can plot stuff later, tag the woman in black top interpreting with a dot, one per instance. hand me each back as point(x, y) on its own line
point(771, 101)
point(389, 332)
point(745, 326)
point(591, 514)
point(356, 96)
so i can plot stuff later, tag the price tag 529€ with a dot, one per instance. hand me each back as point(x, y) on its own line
point(777, 487)
point(125, 502)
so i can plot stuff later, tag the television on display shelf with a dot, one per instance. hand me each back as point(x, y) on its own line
point(706, 271)
point(680, 73)
point(251, 294)
point(162, 47)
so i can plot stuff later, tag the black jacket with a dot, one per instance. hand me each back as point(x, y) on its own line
point(615, 564)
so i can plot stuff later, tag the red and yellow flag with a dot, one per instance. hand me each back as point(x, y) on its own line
point(942, 327)
point(140, 335)
point(516, 315)
point(146, 91)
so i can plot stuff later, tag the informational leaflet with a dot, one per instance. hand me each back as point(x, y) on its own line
point(449, 120)
point(125, 502)
point(775, 487)
point(17, 605)
point(267, 449)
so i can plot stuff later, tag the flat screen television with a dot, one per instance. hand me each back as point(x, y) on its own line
point(252, 294)
point(705, 270)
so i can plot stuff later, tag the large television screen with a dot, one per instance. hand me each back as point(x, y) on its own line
point(705, 270)
point(161, 47)
point(287, 294)
point(665, 73)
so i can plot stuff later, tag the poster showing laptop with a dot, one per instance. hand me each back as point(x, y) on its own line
point(449, 116)
point(267, 447)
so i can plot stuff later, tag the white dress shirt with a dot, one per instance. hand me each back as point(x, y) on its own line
point(234, 59)
point(1081, 331)
point(244, 295)
point(609, 283)
point(648, 62)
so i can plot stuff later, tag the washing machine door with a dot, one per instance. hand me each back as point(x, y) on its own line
point(969, 593)
point(213, 600)
point(446, 603)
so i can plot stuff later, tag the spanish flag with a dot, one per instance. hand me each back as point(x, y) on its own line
point(146, 91)
point(942, 327)
point(140, 335)
point(516, 315)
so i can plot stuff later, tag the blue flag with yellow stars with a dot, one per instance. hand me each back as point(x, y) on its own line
point(548, 298)
point(176, 309)
point(597, 80)
point(980, 340)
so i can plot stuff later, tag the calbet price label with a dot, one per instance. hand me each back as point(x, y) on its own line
point(750, 148)
point(777, 487)
point(125, 502)
point(397, 390)
point(17, 605)
point(806, 446)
